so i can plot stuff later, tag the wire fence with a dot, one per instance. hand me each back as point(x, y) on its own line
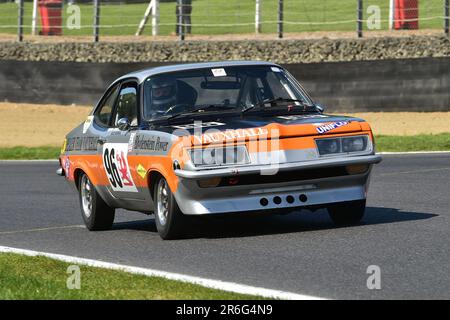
point(190, 18)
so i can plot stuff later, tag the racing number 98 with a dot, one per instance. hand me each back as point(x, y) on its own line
point(111, 168)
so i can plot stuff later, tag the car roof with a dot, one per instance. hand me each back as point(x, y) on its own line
point(141, 75)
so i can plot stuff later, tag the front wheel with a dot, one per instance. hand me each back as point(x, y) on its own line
point(347, 213)
point(97, 215)
point(169, 219)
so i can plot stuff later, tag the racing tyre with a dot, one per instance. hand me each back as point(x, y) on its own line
point(347, 213)
point(168, 217)
point(97, 215)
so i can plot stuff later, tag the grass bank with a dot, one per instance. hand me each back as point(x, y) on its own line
point(422, 142)
point(24, 277)
point(211, 17)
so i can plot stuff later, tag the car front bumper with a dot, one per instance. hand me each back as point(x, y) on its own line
point(256, 196)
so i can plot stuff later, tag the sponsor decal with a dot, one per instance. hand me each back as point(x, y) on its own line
point(141, 171)
point(199, 124)
point(149, 143)
point(116, 167)
point(117, 132)
point(67, 167)
point(230, 135)
point(81, 144)
point(219, 72)
point(131, 141)
point(322, 128)
point(87, 123)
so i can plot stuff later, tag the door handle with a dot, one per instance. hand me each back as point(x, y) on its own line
point(101, 141)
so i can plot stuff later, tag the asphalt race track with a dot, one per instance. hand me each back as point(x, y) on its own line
point(406, 232)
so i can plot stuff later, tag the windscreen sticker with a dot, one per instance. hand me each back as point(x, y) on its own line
point(116, 167)
point(199, 124)
point(322, 128)
point(297, 117)
point(220, 72)
point(87, 123)
point(275, 69)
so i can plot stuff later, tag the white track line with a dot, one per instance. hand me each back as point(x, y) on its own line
point(27, 161)
point(42, 229)
point(209, 283)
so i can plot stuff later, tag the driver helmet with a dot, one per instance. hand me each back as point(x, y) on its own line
point(163, 94)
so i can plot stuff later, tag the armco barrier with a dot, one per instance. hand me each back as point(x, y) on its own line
point(383, 85)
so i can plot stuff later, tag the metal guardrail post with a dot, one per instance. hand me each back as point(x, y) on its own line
point(180, 21)
point(96, 20)
point(359, 17)
point(34, 17)
point(258, 16)
point(20, 22)
point(446, 17)
point(155, 18)
point(280, 19)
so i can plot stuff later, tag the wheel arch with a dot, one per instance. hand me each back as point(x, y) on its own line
point(76, 176)
point(152, 178)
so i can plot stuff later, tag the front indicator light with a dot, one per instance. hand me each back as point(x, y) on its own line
point(354, 144)
point(357, 168)
point(209, 183)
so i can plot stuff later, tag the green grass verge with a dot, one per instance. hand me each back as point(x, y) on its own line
point(24, 153)
point(329, 15)
point(423, 142)
point(23, 277)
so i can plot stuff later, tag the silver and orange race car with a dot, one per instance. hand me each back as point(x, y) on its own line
point(212, 138)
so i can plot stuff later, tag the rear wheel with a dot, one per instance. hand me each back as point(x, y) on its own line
point(168, 216)
point(347, 213)
point(97, 215)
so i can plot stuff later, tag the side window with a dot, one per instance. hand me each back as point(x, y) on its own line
point(103, 114)
point(126, 106)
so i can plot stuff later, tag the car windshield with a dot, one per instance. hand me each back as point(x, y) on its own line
point(218, 89)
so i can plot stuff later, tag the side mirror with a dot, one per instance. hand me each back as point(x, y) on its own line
point(123, 124)
point(320, 108)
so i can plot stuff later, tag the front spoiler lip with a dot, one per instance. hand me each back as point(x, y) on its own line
point(321, 163)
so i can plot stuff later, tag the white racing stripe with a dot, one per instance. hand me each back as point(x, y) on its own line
point(208, 283)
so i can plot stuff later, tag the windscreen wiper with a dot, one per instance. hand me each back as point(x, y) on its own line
point(196, 110)
point(273, 101)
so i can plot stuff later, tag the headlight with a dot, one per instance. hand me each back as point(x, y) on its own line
point(330, 146)
point(354, 144)
point(227, 156)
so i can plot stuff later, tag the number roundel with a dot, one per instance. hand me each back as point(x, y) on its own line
point(116, 167)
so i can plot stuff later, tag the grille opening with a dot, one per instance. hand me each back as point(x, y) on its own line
point(277, 200)
point(290, 199)
point(285, 176)
point(264, 202)
point(303, 198)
